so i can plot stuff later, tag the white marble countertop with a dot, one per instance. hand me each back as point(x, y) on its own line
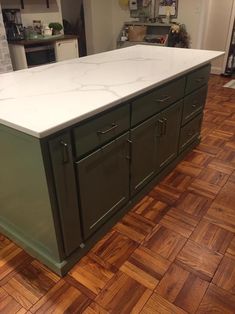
point(46, 99)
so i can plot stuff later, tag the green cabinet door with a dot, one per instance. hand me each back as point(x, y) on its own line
point(66, 192)
point(143, 153)
point(103, 179)
point(168, 136)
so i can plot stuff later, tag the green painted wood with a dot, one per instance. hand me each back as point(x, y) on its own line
point(143, 154)
point(66, 191)
point(25, 208)
point(103, 179)
point(97, 131)
point(156, 100)
point(194, 104)
point(197, 78)
point(190, 132)
point(168, 139)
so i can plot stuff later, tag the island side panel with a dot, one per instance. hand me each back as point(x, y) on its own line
point(25, 209)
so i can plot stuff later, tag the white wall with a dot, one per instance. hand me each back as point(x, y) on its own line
point(217, 27)
point(36, 10)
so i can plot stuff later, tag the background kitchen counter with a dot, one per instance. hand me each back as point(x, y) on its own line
point(47, 40)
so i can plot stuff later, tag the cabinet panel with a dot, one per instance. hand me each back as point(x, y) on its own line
point(157, 100)
point(197, 78)
point(190, 132)
point(194, 104)
point(168, 137)
point(103, 183)
point(62, 164)
point(143, 154)
point(101, 129)
point(66, 49)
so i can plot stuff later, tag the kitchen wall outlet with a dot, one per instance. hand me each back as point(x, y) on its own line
point(133, 5)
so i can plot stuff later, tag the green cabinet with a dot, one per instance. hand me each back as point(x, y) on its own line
point(143, 153)
point(103, 183)
point(168, 136)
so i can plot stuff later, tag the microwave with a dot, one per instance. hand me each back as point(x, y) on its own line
point(39, 54)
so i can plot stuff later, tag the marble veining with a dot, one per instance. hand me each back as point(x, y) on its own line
point(46, 99)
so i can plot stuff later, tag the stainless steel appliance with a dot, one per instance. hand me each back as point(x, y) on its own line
point(13, 24)
point(39, 54)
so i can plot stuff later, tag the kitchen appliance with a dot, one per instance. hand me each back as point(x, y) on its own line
point(13, 24)
point(39, 54)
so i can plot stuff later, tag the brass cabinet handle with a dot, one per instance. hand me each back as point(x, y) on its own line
point(165, 126)
point(113, 127)
point(65, 152)
point(160, 127)
point(200, 79)
point(166, 98)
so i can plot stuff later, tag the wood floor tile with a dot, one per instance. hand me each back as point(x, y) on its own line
point(143, 204)
point(180, 222)
point(226, 197)
point(182, 288)
point(29, 284)
point(189, 169)
point(146, 267)
point(225, 275)
point(213, 177)
point(227, 155)
point(198, 158)
point(123, 295)
point(135, 227)
point(94, 308)
point(115, 249)
point(212, 236)
point(221, 216)
point(193, 204)
point(165, 242)
point(91, 274)
point(8, 304)
point(204, 188)
point(177, 180)
point(221, 166)
point(153, 211)
point(231, 249)
point(62, 298)
point(209, 150)
point(217, 300)
point(157, 304)
point(213, 141)
point(166, 194)
point(199, 260)
point(11, 256)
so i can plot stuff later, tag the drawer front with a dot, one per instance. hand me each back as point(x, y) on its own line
point(155, 101)
point(103, 178)
point(99, 130)
point(194, 104)
point(190, 132)
point(197, 78)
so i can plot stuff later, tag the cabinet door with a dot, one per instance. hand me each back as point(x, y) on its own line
point(168, 137)
point(66, 192)
point(66, 49)
point(143, 154)
point(103, 183)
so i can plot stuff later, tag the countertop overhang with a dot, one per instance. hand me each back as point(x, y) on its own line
point(43, 100)
point(45, 41)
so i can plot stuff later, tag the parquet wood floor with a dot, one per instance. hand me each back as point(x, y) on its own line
point(174, 252)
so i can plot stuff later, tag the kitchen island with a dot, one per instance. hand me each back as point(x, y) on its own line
point(83, 140)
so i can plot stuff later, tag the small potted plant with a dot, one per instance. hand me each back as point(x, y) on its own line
point(57, 27)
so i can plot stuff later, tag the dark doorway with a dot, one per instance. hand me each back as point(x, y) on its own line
point(74, 22)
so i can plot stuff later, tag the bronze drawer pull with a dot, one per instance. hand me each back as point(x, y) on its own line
point(166, 98)
point(113, 127)
point(160, 127)
point(65, 152)
point(194, 105)
point(165, 126)
point(200, 79)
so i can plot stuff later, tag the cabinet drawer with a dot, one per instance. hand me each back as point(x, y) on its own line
point(197, 78)
point(103, 179)
point(155, 101)
point(194, 103)
point(190, 132)
point(101, 129)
